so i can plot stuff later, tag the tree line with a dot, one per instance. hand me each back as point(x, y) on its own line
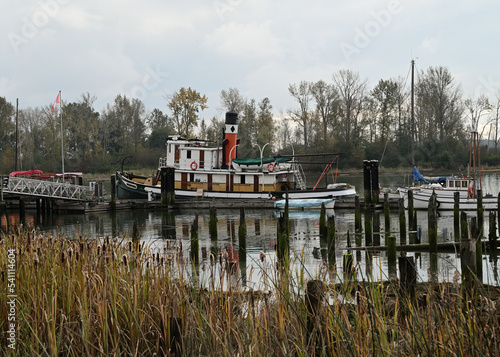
point(340, 115)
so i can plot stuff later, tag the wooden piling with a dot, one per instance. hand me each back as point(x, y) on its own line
point(492, 236)
point(402, 221)
point(387, 215)
point(212, 223)
point(408, 275)
point(282, 250)
point(432, 223)
point(242, 235)
point(412, 220)
point(367, 182)
point(376, 228)
point(167, 177)
point(323, 229)
point(391, 255)
point(331, 239)
point(374, 181)
point(113, 193)
point(368, 227)
point(194, 241)
point(348, 266)
point(456, 216)
point(479, 235)
point(315, 296)
point(467, 257)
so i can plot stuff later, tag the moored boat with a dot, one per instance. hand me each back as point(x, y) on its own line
point(204, 171)
point(468, 187)
point(306, 203)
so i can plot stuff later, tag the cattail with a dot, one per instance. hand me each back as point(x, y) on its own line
point(81, 247)
point(130, 246)
point(107, 240)
point(262, 256)
point(157, 258)
point(77, 256)
point(104, 246)
point(212, 259)
point(70, 253)
point(124, 259)
point(63, 257)
point(98, 250)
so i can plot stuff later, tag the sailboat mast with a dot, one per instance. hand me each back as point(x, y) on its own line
point(17, 134)
point(412, 115)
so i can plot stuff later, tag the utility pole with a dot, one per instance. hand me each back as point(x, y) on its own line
point(412, 115)
point(17, 134)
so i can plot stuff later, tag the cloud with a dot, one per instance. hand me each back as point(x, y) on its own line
point(430, 45)
point(247, 42)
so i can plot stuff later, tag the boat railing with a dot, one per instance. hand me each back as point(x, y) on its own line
point(299, 176)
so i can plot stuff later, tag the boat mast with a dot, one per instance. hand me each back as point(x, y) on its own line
point(17, 133)
point(62, 135)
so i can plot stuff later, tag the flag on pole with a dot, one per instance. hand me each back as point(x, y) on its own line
point(56, 102)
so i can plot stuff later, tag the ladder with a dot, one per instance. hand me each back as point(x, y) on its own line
point(299, 176)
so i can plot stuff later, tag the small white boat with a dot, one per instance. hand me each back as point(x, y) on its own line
point(297, 203)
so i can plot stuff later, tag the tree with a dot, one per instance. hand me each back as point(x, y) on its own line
point(265, 125)
point(385, 94)
point(7, 126)
point(352, 93)
point(302, 94)
point(232, 100)
point(81, 124)
point(476, 108)
point(156, 119)
point(438, 101)
point(326, 97)
point(185, 106)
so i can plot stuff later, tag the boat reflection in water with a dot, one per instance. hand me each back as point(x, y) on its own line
point(307, 250)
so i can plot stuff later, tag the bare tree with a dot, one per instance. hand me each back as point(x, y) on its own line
point(232, 100)
point(352, 93)
point(326, 97)
point(302, 93)
point(476, 108)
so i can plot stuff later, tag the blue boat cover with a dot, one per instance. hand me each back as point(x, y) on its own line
point(417, 176)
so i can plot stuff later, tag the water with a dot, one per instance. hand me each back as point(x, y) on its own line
point(160, 228)
point(174, 228)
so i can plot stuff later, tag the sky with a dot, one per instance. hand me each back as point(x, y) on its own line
point(150, 49)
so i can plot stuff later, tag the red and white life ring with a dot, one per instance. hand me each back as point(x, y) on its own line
point(270, 167)
point(194, 165)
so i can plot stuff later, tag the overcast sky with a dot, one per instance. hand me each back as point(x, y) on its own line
point(148, 49)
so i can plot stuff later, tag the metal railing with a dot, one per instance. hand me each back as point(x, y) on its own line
point(40, 188)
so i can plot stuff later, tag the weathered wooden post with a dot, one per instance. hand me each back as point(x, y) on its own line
point(282, 250)
point(492, 236)
point(479, 235)
point(367, 182)
point(402, 221)
point(242, 236)
point(467, 255)
point(194, 241)
point(376, 228)
point(331, 239)
point(323, 229)
point(167, 175)
point(432, 224)
point(387, 215)
point(374, 181)
point(113, 193)
point(391, 255)
point(368, 226)
point(348, 266)
point(408, 275)
point(212, 223)
point(456, 216)
point(315, 295)
point(412, 224)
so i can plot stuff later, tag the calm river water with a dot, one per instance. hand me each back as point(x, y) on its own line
point(173, 227)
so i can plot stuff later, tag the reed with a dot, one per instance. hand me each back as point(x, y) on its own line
point(105, 296)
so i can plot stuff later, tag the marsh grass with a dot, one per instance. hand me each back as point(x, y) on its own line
point(110, 297)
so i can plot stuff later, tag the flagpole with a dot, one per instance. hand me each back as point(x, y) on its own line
point(62, 136)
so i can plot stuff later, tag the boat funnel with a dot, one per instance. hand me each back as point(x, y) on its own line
point(230, 137)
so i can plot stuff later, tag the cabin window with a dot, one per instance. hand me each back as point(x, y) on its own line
point(191, 177)
point(464, 183)
point(188, 154)
point(452, 183)
point(242, 179)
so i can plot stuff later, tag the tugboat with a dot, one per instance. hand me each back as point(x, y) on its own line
point(204, 171)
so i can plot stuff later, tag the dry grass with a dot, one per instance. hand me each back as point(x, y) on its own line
point(109, 297)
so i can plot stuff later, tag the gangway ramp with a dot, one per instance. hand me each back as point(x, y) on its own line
point(46, 189)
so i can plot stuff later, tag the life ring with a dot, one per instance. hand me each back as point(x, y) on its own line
point(194, 165)
point(471, 191)
point(270, 167)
